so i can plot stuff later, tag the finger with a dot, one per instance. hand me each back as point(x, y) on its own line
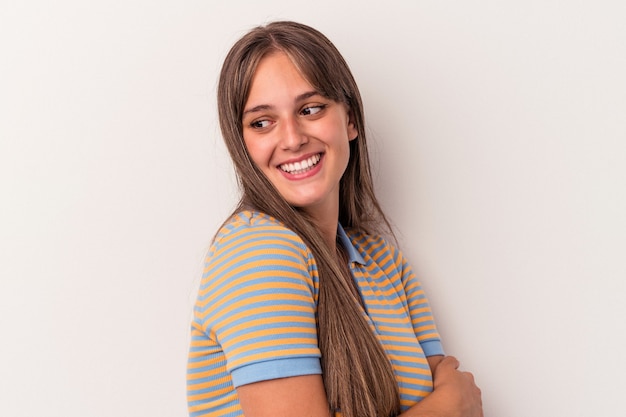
point(447, 366)
point(450, 361)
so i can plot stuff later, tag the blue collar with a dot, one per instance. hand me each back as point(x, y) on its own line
point(353, 254)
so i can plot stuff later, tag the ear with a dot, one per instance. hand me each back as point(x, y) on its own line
point(352, 130)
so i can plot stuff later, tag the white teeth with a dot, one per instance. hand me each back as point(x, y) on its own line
point(301, 166)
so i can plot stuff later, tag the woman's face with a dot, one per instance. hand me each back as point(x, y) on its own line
point(298, 138)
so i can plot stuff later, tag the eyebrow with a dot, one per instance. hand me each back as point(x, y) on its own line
point(300, 97)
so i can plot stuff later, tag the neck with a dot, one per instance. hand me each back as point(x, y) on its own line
point(329, 232)
point(326, 218)
point(327, 226)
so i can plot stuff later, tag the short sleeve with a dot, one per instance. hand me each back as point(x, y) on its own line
point(257, 300)
point(420, 312)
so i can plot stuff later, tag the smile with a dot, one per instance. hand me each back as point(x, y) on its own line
point(301, 167)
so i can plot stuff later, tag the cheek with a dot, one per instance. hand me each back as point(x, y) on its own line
point(258, 151)
point(346, 154)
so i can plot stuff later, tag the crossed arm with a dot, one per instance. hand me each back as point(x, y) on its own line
point(455, 395)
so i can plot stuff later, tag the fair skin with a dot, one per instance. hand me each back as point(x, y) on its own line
point(455, 395)
point(300, 140)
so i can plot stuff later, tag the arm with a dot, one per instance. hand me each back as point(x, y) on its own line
point(305, 395)
point(434, 361)
point(302, 396)
point(455, 395)
point(254, 318)
point(418, 307)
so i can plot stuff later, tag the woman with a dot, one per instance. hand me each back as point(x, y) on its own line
point(303, 309)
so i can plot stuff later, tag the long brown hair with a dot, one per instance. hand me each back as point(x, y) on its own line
point(357, 374)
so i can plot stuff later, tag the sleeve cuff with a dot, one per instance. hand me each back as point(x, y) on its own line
point(432, 348)
point(279, 368)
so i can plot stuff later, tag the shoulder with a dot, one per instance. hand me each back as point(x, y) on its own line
point(252, 229)
point(256, 270)
point(254, 253)
point(252, 243)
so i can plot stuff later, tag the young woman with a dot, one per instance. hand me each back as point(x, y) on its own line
point(304, 309)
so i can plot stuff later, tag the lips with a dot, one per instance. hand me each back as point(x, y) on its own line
point(301, 167)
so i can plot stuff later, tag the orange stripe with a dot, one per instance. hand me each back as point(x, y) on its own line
point(272, 343)
point(201, 364)
point(217, 299)
point(276, 332)
point(256, 311)
point(268, 320)
point(272, 355)
point(218, 277)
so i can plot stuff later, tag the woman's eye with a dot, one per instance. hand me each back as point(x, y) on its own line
point(260, 124)
point(307, 111)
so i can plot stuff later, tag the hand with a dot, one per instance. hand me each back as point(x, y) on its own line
point(455, 394)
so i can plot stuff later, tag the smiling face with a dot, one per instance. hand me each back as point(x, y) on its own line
point(297, 137)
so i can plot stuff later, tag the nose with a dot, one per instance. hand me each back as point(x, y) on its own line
point(292, 136)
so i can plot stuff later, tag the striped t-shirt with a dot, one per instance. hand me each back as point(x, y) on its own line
point(254, 318)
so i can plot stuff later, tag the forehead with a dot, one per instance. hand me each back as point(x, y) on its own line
point(275, 72)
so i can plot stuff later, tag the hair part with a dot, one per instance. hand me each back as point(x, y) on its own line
point(357, 374)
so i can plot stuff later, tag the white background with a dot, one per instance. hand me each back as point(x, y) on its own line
point(498, 130)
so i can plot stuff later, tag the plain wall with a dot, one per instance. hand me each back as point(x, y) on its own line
point(497, 129)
